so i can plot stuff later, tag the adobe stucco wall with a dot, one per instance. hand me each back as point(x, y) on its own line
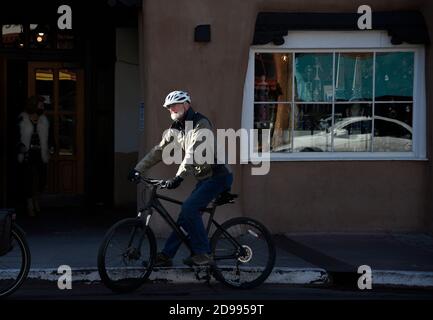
point(127, 97)
point(295, 196)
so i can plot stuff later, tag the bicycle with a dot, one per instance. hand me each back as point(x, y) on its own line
point(242, 248)
point(15, 259)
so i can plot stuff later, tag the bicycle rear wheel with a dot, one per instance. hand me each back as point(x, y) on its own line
point(15, 264)
point(247, 267)
point(126, 255)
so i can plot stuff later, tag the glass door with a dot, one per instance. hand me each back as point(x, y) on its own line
point(62, 89)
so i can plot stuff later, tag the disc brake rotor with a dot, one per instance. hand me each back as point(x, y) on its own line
point(248, 254)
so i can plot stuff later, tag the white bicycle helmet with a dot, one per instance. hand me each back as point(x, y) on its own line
point(176, 97)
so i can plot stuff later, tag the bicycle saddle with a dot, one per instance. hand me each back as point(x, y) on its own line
point(225, 197)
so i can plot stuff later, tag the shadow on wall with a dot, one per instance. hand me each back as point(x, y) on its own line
point(125, 192)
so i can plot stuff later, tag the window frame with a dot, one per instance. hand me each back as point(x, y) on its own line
point(331, 42)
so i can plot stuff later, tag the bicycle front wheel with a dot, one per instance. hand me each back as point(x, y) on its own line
point(244, 253)
point(15, 264)
point(126, 255)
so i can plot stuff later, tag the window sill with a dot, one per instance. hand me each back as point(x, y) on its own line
point(314, 156)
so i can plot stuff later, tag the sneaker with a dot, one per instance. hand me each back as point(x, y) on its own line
point(198, 260)
point(162, 260)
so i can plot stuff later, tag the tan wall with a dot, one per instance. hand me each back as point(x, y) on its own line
point(339, 196)
point(127, 97)
point(295, 196)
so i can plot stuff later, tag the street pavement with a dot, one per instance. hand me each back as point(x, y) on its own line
point(308, 265)
point(42, 290)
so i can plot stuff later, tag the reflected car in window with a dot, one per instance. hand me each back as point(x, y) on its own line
point(354, 135)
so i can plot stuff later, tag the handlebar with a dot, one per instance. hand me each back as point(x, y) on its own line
point(154, 182)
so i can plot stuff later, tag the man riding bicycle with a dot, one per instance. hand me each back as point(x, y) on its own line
point(212, 178)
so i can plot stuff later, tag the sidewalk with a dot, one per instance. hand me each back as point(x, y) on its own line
point(403, 260)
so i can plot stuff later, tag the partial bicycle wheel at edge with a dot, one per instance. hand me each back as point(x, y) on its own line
point(254, 266)
point(126, 255)
point(15, 264)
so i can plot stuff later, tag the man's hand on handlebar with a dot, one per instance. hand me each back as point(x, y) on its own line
point(135, 176)
point(173, 183)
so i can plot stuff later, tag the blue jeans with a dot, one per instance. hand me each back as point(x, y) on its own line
point(190, 216)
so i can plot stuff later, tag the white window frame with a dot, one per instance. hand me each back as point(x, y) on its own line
point(341, 41)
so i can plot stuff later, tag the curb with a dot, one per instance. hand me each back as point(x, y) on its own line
point(279, 275)
point(182, 275)
point(409, 279)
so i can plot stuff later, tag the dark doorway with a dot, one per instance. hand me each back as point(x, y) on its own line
point(91, 51)
point(16, 95)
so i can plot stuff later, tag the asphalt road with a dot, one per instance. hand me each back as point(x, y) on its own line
point(44, 290)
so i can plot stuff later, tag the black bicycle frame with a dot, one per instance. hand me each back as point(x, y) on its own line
point(154, 203)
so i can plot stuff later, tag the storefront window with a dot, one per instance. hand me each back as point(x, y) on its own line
point(393, 127)
point(272, 96)
point(353, 76)
point(313, 76)
point(352, 127)
point(394, 76)
point(311, 128)
point(337, 101)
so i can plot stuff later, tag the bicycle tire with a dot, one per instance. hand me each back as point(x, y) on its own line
point(124, 285)
point(219, 268)
point(19, 238)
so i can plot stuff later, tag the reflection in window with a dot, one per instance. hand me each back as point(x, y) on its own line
point(394, 76)
point(44, 86)
point(393, 127)
point(313, 76)
point(352, 128)
point(276, 118)
point(310, 134)
point(13, 35)
point(67, 89)
point(344, 111)
point(273, 77)
point(340, 123)
point(66, 135)
point(353, 76)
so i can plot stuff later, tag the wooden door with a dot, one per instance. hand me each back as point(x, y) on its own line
point(62, 87)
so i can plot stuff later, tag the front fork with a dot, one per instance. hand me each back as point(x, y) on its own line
point(144, 215)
